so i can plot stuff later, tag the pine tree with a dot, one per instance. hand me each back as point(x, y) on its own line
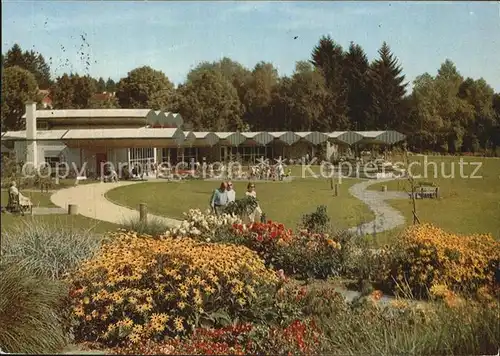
point(358, 94)
point(328, 57)
point(101, 85)
point(387, 90)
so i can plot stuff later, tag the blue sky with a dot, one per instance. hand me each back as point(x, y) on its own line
point(175, 36)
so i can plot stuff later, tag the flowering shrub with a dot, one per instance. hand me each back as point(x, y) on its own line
point(139, 287)
point(429, 256)
point(300, 337)
point(305, 253)
point(205, 225)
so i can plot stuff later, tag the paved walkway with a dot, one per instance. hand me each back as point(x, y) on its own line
point(386, 217)
point(93, 204)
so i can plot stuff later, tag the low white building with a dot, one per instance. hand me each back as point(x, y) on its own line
point(127, 136)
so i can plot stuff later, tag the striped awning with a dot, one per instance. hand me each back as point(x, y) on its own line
point(288, 137)
point(231, 138)
point(346, 137)
point(381, 137)
point(205, 138)
point(261, 138)
point(314, 137)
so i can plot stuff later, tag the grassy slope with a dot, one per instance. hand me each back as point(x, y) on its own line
point(284, 202)
point(466, 205)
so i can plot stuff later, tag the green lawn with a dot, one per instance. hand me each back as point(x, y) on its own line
point(78, 221)
point(466, 205)
point(280, 201)
point(37, 198)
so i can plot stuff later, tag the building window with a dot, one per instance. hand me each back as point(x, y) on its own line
point(190, 153)
point(52, 161)
point(141, 156)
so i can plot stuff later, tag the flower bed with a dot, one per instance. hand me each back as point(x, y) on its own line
point(300, 337)
point(139, 287)
point(426, 256)
point(198, 224)
point(306, 254)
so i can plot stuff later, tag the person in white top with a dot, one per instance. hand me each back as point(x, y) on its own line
point(231, 193)
point(14, 192)
point(257, 213)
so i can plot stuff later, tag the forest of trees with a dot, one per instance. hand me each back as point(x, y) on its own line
point(336, 89)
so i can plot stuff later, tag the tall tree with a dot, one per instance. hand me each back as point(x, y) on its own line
point(301, 100)
point(101, 85)
point(62, 93)
point(210, 102)
point(14, 57)
point(356, 67)
point(388, 89)
point(32, 61)
point(328, 57)
point(84, 90)
point(145, 87)
point(234, 72)
point(110, 86)
point(479, 95)
point(18, 87)
point(35, 63)
point(258, 96)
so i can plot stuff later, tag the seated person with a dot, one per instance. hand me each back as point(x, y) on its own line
point(14, 193)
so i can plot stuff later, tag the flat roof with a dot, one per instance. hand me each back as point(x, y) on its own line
point(211, 138)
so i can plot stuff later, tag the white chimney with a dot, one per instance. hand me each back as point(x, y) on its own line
point(31, 144)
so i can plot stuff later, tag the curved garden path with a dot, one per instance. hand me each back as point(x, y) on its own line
point(386, 217)
point(93, 204)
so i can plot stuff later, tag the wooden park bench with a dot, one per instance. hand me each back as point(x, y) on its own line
point(14, 205)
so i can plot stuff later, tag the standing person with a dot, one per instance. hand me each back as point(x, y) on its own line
point(231, 193)
point(257, 213)
point(219, 199)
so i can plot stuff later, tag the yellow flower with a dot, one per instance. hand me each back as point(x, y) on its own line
point(178, 323)
point(181, 305)
point(127, 322)
point(134, 338)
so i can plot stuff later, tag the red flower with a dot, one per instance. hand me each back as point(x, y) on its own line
point(259, 238)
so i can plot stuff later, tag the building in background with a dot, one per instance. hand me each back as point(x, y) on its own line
point(128, 136)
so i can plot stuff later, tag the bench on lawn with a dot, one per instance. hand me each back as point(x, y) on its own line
point(426, 192)
point(14, 205)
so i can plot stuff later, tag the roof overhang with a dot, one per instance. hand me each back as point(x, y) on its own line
point(260, 138)
point(173, 134)
point(345, 137)
point(205, 138)
point(314, 137)
point(288, 137)
point(381, 137)
point(230, 138)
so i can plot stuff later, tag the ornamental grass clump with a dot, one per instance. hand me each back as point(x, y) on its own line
point(151, 226)
point(32, 312)
point(138, 287)
point(48, 249)
point(429, 256)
